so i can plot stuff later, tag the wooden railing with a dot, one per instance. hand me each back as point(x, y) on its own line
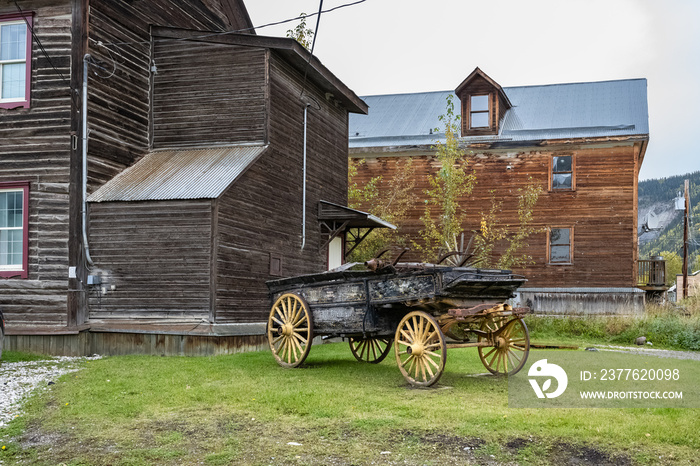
point(651, 273)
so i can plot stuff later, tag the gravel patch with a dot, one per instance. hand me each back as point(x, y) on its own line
point(21, 379)
point(661, 353)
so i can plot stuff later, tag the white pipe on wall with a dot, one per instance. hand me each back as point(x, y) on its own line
point(85, 147)
point(303, 202)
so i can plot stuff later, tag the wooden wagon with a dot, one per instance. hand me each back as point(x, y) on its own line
point(412, 307)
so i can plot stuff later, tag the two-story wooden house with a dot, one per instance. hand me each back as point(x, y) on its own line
point(159, 161)
point(583, 143)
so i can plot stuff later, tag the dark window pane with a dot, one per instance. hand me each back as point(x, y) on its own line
point(559, 236)
point(561, 164)
point(559, 254)
point(561, 181)
point(480, 103)
point(480, 120)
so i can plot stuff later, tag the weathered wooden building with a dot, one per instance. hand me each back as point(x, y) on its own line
point(583, 143)
point(150, 220)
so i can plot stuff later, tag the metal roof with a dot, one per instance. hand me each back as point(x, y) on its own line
point(555, 111)
point(202, 173)
point(328, 211)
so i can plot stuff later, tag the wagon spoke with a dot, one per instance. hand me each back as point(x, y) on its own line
point(300, 338)
point(427, 366)
point(405, 343)
point(422, 370)
point(435, 365)
point(277, 339)
point(489, 353)
point(413, 330)
point(374, 349)
point(407, 336)
point(275, 319)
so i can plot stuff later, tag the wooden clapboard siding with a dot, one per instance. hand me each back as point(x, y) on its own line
point(208, 94)
point(35, 146)
point(261, 214)
point(601, 210)
point(115, 343)
point(156, 254)
point(119, 102)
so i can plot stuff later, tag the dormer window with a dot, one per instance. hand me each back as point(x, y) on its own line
point(479, 111)
point(484, 104)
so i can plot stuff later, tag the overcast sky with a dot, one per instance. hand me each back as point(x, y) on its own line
point(398, 46)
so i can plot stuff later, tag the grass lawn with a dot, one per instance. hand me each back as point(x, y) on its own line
point(244, 409)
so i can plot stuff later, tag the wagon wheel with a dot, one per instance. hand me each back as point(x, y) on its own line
point(289, 330)
point(511, 348)
point(371, 350)
point(420, 349)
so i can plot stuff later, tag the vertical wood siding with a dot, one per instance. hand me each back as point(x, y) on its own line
point(261, 213)
point(35, 146)
point(601, 211)
point(157, 254)
point(208, 94)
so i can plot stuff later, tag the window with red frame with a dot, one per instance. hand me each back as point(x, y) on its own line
point(14, 223)
point(15, 60)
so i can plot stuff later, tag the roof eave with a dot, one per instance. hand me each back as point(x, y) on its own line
point(294, 52)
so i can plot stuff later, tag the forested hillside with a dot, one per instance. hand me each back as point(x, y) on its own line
point(657, 196)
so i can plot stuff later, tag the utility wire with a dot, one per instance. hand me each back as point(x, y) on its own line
point(313, 44)
point(254, 28)
point(41, 46)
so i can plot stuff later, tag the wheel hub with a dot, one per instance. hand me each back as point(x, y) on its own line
point(286, 330)
point(416, 350)
point(500, 342)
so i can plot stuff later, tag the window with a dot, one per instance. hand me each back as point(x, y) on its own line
point(562, 174)
point(15, 61)
point(14, 219)
point(560, 241)
point(479, 111)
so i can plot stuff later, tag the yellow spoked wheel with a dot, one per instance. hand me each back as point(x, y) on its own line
point(511, 346)
point(420, 349)
point(371, 350)
point(289, 330)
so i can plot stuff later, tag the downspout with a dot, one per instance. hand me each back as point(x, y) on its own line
point(86, 247)
point(303, 202)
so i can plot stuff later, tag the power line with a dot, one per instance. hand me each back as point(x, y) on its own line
point(254, 28)
point(41, 46)
point(313, 44)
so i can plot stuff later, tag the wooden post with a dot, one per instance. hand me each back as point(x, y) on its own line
point(685, 239)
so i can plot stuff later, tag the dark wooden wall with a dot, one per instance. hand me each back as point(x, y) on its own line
point(157, 255)
point(119, 90)
point(261, 214)
point(35, 146)
point(208, 94)
point(602, 210)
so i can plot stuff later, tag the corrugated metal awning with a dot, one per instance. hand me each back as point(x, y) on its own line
point(330, 212)
point(202, 173)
